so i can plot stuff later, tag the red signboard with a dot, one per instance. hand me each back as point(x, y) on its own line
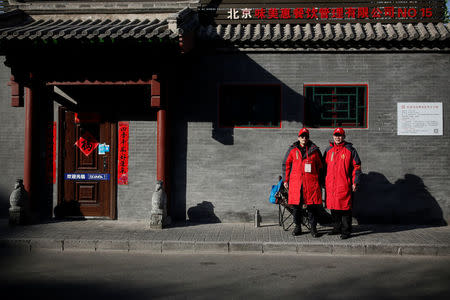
point(323, 11)
point(314, 13)
point(87, 143)
point(123, 153)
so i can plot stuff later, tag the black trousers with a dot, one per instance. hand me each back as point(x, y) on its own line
point(342, 220)
point(313, 214)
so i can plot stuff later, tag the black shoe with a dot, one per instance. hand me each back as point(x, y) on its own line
point(314, 233)
point(297, 231)
point(345, 236)
point(334, 232)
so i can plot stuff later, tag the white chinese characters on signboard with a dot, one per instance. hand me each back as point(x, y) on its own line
point(242, 13)
point(419, 118)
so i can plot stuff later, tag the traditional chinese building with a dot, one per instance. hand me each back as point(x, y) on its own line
point(108, 97)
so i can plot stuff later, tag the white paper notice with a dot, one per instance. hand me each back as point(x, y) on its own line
point(419, 118)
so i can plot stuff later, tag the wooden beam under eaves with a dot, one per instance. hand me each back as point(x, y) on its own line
point(63, 99)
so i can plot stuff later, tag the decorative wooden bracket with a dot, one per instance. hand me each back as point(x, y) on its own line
point(16, 93)
point(156, 92)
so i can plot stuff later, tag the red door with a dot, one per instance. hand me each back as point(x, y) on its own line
point(87, 181)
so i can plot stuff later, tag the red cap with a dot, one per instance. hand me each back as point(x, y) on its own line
point(303, 131)
point(339, 131)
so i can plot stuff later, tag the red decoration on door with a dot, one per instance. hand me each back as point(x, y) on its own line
point(123, 153)
point(87, 143)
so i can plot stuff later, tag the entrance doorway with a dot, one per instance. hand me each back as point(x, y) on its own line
point(87, 164)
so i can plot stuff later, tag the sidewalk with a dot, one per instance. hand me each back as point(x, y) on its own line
point(106, 235)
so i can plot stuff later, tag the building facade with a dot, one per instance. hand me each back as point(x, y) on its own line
point(206, 96)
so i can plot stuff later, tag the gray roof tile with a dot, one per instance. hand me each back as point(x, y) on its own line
point(373, 34)
point(328, 32)
point(237, 33)
point(77, 29)
point(359, 32)
point(434, 34)
point(423, 33)
point(413, 34)
point(318, 33)
point(257, 34)
point(443, 31)
point(391, 33)
point(338, 33)
point(401, 32)
point(227, 34)
point(287, 34)
point(308, 33)
point(247, 32)
point(266, 33)
point(297, 33)
point(349, 35)
point(276, 33)
point(379, 32)
point(370, 33)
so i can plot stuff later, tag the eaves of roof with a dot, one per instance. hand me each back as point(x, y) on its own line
point(95, 28)
point(71, 7)
point(89, 29)
point(327, 35)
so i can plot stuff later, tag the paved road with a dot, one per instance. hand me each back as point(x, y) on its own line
point(109, 275)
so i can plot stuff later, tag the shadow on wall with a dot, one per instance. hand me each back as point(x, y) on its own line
point(407, 201)
point(202, 213)
point(4, 202)
point(198, 103)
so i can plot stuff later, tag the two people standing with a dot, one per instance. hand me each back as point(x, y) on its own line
point(304, 169)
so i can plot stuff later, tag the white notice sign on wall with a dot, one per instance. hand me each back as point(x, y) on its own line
point(419, 118)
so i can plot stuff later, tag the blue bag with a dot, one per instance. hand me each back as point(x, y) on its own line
point(273, 191)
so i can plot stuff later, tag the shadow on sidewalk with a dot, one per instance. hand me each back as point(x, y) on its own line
point(366, 229)
point(202, 213)
point(405, 205)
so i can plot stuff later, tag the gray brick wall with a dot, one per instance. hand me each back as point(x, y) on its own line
point(12, 132)
point(134, 199)
point(406, 178)
point(225, 174)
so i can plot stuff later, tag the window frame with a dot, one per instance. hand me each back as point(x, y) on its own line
point(366, 109)
point(240, 84)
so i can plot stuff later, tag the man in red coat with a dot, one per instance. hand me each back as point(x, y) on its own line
point(302, 167)
point(343, 168)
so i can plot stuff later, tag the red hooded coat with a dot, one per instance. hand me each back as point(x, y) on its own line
point(343, 167)
point(303, 172)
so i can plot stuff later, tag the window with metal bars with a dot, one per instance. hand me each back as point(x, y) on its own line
point(250, 105)
point(331, 105)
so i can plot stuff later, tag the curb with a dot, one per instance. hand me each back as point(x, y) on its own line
point(153, 246)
